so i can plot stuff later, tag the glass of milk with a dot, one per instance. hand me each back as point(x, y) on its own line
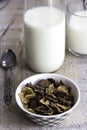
point(44, 32)
point(76, 27)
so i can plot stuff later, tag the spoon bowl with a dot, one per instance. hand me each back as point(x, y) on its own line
point(8, 59)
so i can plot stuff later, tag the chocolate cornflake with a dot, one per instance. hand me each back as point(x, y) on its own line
point(47, 97)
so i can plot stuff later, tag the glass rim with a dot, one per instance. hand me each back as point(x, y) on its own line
point(72, 12)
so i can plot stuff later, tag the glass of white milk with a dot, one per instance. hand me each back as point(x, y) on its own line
point(44, 32)
point(76, 27)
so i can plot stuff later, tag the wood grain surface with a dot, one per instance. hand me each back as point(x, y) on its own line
point(11, 117)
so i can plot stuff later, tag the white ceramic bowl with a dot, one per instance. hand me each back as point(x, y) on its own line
point(54, 119)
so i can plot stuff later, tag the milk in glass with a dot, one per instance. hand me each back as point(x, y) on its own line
point(44, 38)
point(77, 32)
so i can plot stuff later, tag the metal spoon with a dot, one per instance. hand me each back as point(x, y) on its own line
point(7, 62)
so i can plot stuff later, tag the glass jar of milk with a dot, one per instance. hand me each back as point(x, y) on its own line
point(76, 27)
point(44, 31)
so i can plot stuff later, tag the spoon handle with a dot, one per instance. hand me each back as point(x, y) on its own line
point(7, 88)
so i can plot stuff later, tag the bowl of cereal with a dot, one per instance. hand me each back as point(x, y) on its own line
point(48, 98)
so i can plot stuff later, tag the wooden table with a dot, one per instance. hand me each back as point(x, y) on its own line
point(11, 117)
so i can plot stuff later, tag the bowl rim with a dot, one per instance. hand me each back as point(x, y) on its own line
point(47, 116)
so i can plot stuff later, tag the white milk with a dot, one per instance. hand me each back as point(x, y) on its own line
point(44, 38)
point(77, 32)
